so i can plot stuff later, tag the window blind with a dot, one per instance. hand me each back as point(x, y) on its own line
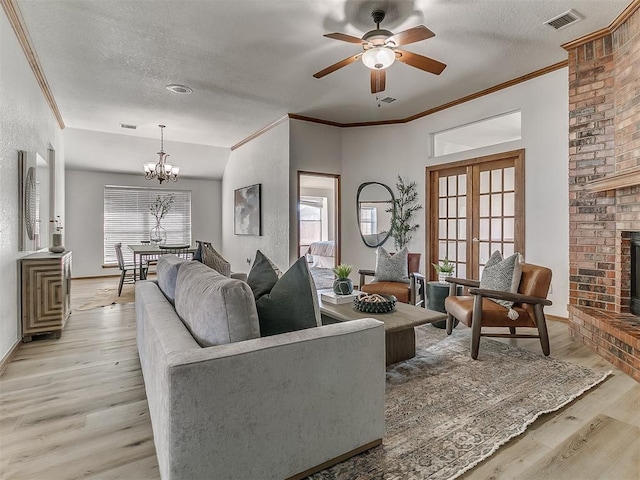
point(127, 218)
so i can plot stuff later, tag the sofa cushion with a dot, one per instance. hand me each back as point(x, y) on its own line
point(216, 309)
point(291, 303)
point(167, 273)
point(263, 275)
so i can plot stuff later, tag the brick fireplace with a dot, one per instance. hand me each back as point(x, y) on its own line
point(604, 189)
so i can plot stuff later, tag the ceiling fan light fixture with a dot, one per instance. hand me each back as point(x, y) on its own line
point(378, 58)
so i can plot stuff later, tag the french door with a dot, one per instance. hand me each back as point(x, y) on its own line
point(475, 207)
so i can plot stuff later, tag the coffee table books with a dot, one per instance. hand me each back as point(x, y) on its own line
point(331, 297)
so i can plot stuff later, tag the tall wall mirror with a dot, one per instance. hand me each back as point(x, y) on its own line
point(36, 200)
point(374, 204)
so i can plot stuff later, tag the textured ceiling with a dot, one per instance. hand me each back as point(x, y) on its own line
point(251, 61)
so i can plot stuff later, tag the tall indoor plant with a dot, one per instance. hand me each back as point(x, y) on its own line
point(159, 208)
point(404, 206)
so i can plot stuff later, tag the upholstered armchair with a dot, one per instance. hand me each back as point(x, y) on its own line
point(411, 292)
point(478, 310)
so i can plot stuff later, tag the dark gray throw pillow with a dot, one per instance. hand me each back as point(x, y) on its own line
point(291, 303)
point(262, 276)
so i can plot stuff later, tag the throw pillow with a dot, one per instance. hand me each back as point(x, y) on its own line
point(391, 268)
point(504, 275)
point(212, 259)
point(263, 275)
point(167, 273)
point(292, 301)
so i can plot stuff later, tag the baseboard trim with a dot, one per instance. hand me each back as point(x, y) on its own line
point(336, 460)
point(9, 356)
point(556, 318)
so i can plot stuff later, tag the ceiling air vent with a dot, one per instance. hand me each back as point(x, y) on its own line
point(564, 20)
point(388, 100)
point(132, 127)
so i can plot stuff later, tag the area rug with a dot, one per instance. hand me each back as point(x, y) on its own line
point(109, 296)
point(445, 412)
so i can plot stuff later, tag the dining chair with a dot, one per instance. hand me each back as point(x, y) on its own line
point(181, 251)
point(128, 271)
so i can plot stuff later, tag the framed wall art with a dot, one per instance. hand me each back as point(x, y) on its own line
point(247, 214)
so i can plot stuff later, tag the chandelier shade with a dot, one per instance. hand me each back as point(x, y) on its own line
point(162, 170)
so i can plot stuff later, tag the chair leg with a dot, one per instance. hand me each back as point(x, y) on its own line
point(512, 330)
point(124, 272)
point(542, 329)
point(450, 320)
point(476, 326)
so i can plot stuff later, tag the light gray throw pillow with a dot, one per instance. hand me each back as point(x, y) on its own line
point(217, 310)
point(167, 273)
point(392, 268)
point(504, 275)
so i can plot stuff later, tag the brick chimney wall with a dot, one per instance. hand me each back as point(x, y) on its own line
point(604, 141)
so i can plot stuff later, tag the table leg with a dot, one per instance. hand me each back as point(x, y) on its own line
point(400, 345)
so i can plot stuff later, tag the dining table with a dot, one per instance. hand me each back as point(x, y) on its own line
point(144, 252)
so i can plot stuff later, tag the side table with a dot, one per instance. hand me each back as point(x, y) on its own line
point(436, 293)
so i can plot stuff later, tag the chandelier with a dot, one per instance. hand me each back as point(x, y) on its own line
point(161, 170)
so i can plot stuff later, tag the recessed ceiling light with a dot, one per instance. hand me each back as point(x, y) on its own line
point(182, 89)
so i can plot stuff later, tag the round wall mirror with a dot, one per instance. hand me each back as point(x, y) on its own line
point(374, 205)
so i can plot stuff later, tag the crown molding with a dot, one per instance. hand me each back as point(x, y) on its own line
point(259, 132)
point(17, 22)
point(619, 20)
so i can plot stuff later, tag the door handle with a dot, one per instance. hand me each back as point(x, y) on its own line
point(475, 240)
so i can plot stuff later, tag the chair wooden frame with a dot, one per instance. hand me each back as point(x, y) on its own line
point(127, 269)
point(480, 294)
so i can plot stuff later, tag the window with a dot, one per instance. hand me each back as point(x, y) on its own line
point(127, 218)
point(368, 220)
point(313, 220)
point(490, 131)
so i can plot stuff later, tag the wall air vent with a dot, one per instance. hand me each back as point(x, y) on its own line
point(388, 100)
point(564, 20)
point(132, 127)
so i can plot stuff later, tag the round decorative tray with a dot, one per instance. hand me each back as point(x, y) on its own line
point(374, 303)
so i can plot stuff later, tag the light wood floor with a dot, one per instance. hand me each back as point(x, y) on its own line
point(76, 408)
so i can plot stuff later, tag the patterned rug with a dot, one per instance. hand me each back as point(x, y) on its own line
point(445, 412)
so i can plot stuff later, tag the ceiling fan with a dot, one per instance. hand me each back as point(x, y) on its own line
point(380, 50)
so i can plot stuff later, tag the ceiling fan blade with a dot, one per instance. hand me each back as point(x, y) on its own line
point(345, 38)
point(423, 63)
point(336, 66)
point(412, 35)
point(378, 80)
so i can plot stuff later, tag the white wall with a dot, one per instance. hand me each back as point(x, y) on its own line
point(314, 148)
point(381, 153)
point(85, 212)
point(264, 160)
point(26, 123)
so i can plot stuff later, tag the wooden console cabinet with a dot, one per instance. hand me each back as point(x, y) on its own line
point(45, 291)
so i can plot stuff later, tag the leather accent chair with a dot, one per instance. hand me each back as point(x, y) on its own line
point(412, 292)
point(476, 310)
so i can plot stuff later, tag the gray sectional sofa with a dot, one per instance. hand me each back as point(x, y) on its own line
point(247, 407)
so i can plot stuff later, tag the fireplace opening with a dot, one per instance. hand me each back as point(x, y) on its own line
point(635, 274)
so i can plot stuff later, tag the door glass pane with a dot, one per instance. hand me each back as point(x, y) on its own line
point(462, 251)
point(442, 249)
point(442, 187)
point(496, 180)
point(453, 207)
point(461, 270)
point(452, 186)
point(442, 208)
point(507, 249)
point(484, 252)
point(462, 207)
point(442, 229)
point(496, 229)
point(484, 205)
point(452, 228)
point(509, 178)
point(496, 246)
point(462, 229)
point(509, 229)
point(484, 182)
point(484, 229)
point(509, 204)
point(452, 252)
point(462, 184)
point(496, 205)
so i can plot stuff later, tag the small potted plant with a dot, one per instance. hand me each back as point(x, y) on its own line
point(444, 269)
point(342, 285)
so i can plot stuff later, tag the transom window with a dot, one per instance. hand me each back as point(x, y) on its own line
point(127, 218)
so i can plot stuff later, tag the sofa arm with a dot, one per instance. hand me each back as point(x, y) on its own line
point(273, 407)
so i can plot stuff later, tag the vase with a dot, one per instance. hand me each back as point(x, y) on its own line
point(158, 235)
point(442, 276)
point(56, 243)
point(342, 286)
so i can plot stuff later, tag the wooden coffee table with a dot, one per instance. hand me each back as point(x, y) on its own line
point(400, 337)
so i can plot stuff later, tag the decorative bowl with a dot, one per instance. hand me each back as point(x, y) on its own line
point(374, 303)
